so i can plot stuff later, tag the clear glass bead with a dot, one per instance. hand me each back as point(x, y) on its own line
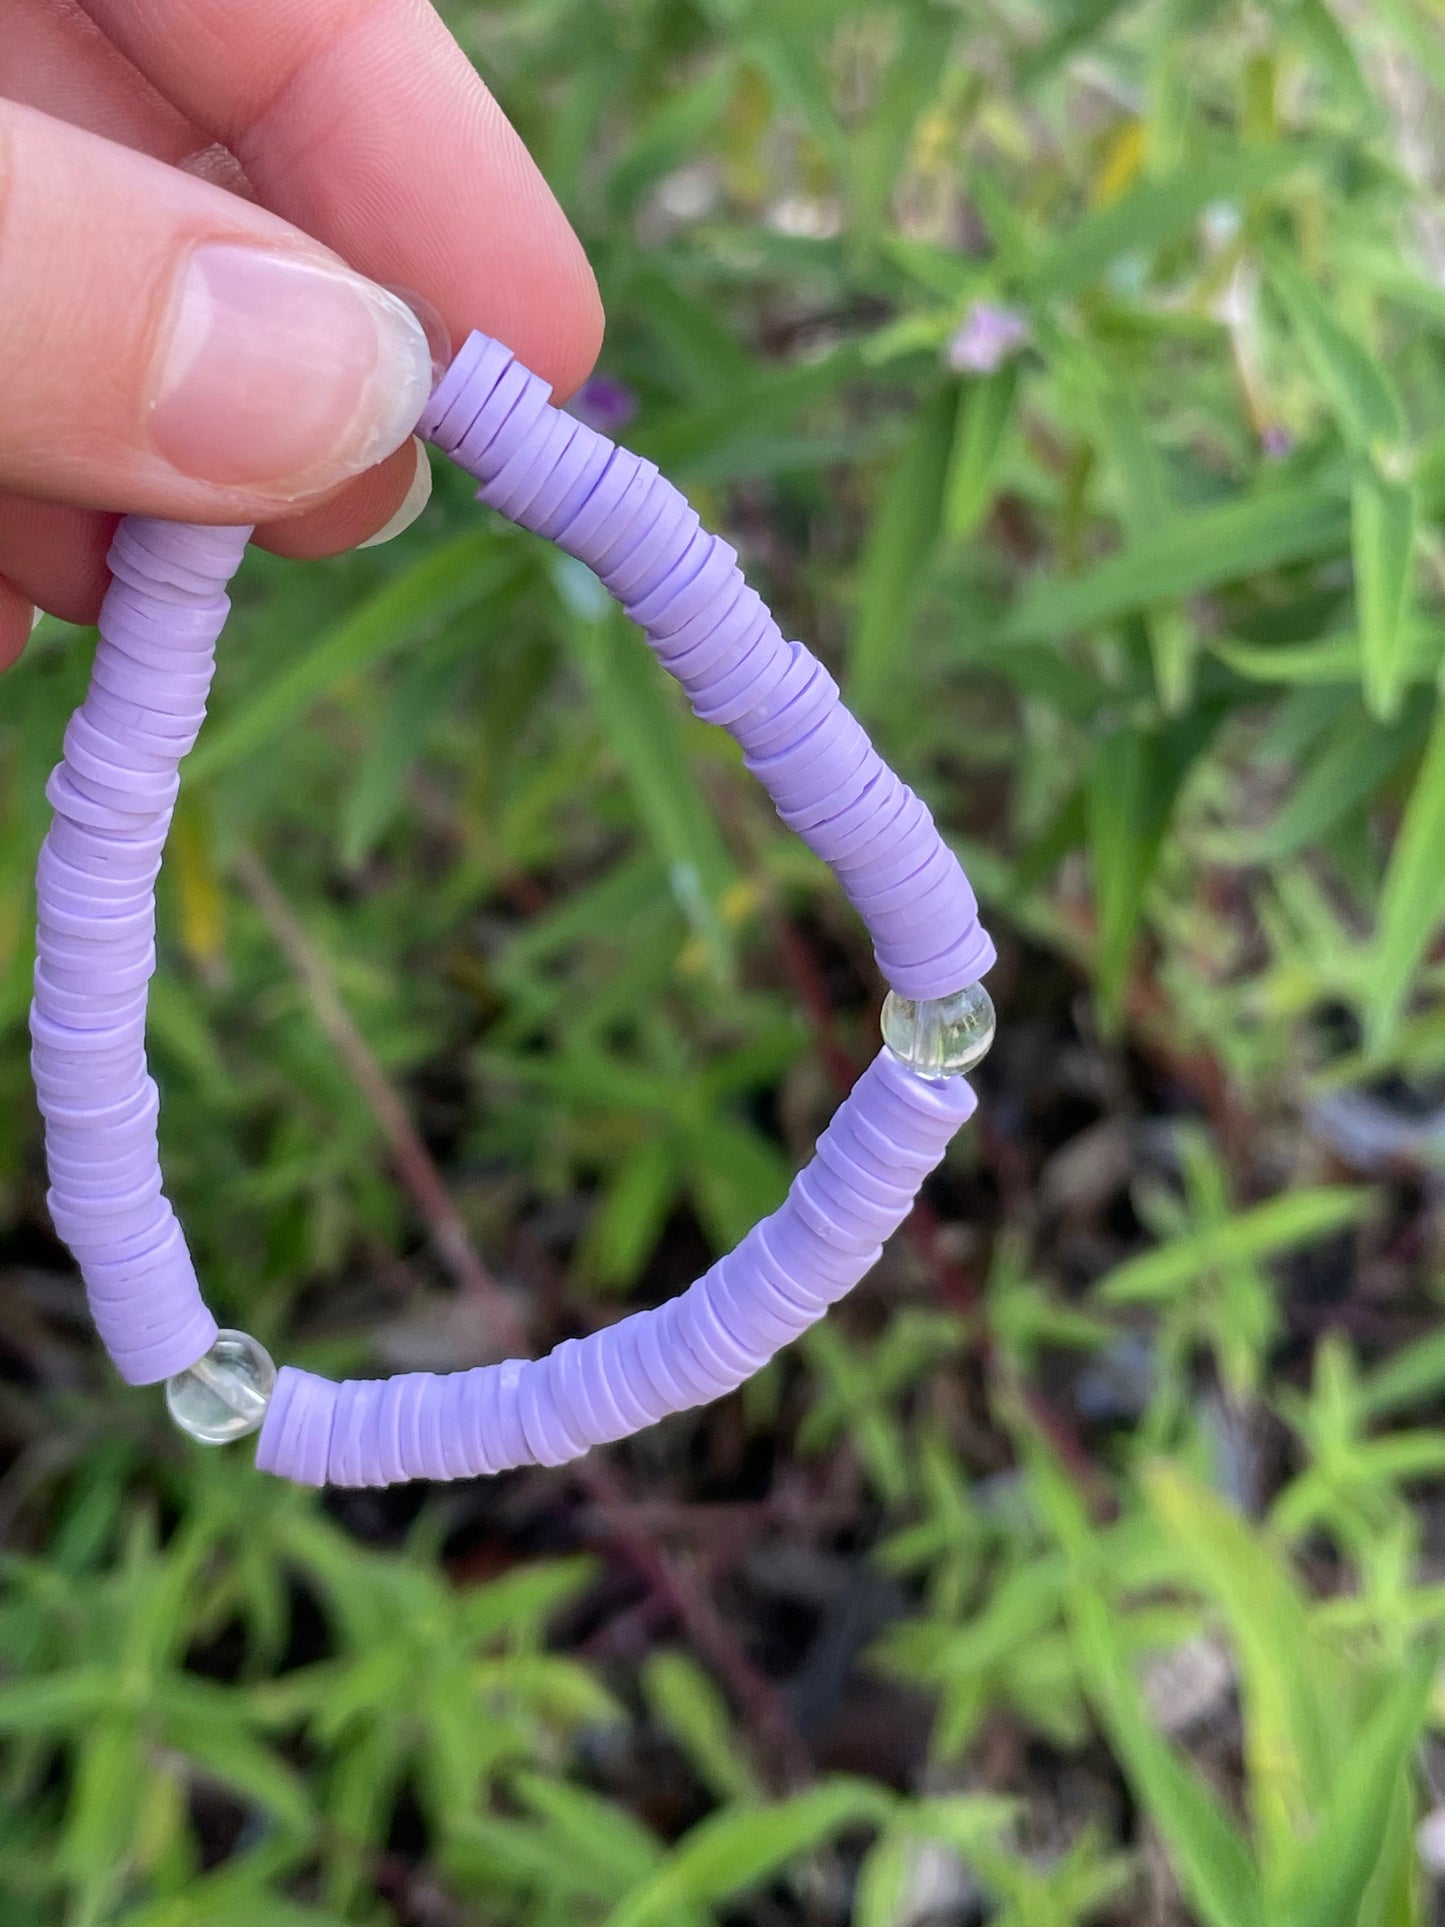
point(939, 1036)
point(224, 1395)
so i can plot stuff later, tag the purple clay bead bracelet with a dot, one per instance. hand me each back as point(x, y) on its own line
point(113, 794)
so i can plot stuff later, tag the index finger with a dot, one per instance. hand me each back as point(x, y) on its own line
point(363, 123)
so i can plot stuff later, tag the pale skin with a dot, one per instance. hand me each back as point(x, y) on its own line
point(134, 132)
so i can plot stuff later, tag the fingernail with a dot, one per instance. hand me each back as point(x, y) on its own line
point(285, 374)
point(36, 620)
point(429, 317)
point(412, 503)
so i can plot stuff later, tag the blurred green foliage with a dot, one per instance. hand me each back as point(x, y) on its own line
point(1070, 373)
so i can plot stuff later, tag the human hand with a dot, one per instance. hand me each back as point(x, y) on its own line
point(171, 347)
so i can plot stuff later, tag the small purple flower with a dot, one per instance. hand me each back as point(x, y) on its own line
point(987, 338)
point(604, 403)
point(1276, 442)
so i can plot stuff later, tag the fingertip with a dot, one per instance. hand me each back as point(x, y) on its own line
point(54, 555)
point(353, 515)
point(580, 325)
point(417, 496)
point(18, 617)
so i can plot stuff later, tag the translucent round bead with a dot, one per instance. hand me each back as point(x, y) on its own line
point(224, 1395)
point(940, 1036)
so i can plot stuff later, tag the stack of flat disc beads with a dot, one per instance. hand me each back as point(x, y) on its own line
point(113, 794)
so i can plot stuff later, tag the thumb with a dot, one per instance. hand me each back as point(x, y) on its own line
point(169, 348)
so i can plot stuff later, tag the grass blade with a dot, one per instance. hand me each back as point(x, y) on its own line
point(741, 1845)
point(1339, 1863)
point(1413, 896)
point(1384, 517)
point(1134, 780)
point(984, 420)
point(1202, 549)
point(644, 726)
point(899, 549)
point(1297, 1218)
point(1154, 213)
point(1285, 1720)
point(1359, 393)
point(457, 575)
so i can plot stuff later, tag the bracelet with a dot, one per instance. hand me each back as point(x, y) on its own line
point(112, 796)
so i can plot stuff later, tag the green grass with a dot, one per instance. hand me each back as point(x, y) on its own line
point(1149, 1395)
